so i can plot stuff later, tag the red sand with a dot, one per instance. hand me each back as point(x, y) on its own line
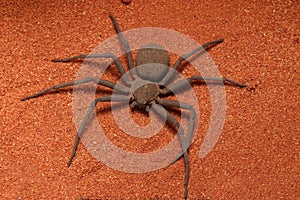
point(257, 156)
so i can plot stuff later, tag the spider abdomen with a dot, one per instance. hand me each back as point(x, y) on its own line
point(152, 62)
point(152, 72)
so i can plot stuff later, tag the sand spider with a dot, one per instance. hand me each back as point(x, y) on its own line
point(152, 72)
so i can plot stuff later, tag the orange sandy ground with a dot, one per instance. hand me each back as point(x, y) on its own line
point(257, 156)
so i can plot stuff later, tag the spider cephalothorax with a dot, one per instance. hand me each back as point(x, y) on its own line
point(144, 96)
point(152, 63)
point(145, 88)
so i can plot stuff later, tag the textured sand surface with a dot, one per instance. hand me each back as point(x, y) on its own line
point(257, 155)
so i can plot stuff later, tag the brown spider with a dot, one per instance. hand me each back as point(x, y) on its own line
point(152, 72)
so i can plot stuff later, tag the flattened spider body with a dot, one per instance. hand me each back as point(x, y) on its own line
point(144, 96)
point(155, 62)
point(147, 88)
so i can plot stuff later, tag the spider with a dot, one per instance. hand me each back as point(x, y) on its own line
point(152, 71)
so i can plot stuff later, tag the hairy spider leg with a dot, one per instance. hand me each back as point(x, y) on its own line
point(186, 106)
point(115, 98)
point(105, 55)
point(126, 45)
point(160, 110)
point(105, 83)
point(207, 45)
point(183, 83)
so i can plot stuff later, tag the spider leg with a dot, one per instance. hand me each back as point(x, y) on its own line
point(105, 55)
point(183, 105)
point(160, 110)
point(105, 83)
point(186, 81)
point(115, 98)
point(207, 45)
point(126, 45)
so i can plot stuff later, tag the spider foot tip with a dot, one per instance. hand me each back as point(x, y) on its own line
point(111, 16)
point(58, 60)
point(25, 98)
point(69, 163)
